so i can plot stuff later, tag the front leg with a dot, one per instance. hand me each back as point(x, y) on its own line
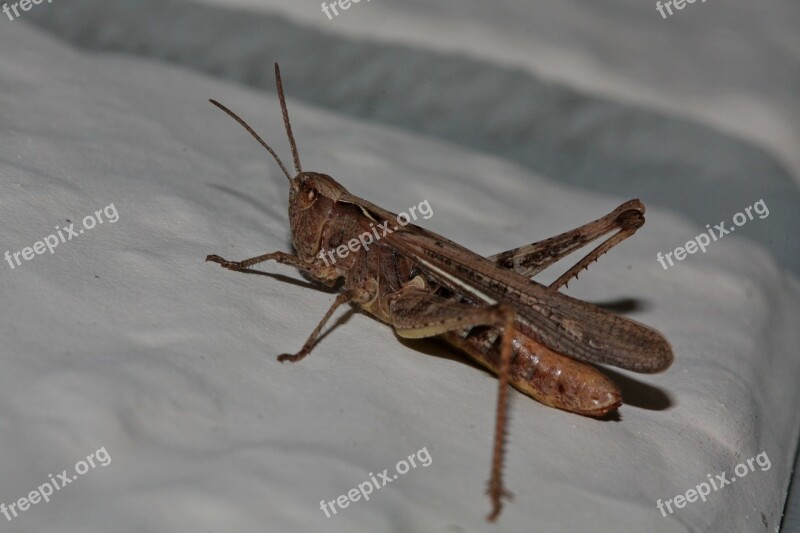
point(325, 274)
point(416, 313)
point(356, 294)
point(280, 257)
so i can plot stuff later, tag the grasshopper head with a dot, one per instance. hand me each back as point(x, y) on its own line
point(312, 200)
point(312, 196)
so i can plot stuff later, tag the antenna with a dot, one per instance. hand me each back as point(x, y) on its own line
point(296, 155)
point(250, 130)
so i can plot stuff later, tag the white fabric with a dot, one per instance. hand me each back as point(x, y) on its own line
point(125, 338)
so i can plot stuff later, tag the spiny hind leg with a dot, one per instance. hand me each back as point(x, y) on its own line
point(531, 259)
point(416, 314)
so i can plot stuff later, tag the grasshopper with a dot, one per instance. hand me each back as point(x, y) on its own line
point(532, 336)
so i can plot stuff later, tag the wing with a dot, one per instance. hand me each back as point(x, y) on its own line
point(565, 324)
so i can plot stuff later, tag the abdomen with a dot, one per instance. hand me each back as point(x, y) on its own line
point(544, 375)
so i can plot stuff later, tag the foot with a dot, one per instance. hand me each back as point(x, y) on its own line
point(292, 358)
point(230, 265)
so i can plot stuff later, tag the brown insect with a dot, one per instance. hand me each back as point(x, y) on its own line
point(424, 285)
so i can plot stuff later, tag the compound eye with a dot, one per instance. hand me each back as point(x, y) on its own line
point(308, 197)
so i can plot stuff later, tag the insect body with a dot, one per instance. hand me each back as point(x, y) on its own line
point(424, 285)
